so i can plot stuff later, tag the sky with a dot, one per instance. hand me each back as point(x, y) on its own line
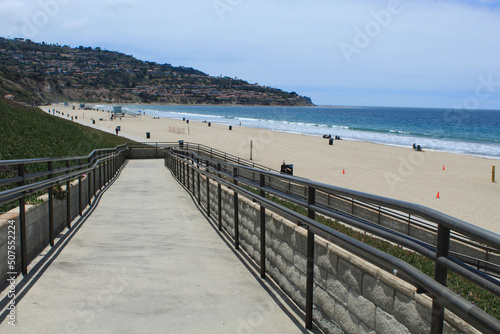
point(410, 53)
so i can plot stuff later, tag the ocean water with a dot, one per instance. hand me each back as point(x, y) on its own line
point(468, 132)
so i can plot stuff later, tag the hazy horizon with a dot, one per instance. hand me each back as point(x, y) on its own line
point(401, 53)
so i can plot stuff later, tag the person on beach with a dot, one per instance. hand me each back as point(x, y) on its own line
point(417, 147)
point(116, 129)
point(286, 168)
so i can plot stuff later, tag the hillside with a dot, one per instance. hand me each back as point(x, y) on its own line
point(29, 133)
point(40, 73)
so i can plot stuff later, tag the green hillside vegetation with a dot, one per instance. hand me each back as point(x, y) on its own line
point(29, 133)
point(41, 73)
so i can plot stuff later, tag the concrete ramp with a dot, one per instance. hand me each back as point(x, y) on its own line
point(147, 261)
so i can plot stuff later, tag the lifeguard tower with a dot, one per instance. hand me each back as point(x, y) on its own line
point(117, 111)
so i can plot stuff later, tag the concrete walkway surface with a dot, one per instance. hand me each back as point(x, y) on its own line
point(147, 261)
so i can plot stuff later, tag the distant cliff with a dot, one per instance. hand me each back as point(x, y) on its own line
point(41, 73)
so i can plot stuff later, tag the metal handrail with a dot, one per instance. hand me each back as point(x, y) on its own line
point(390, 235)
point(101, 165)
point(10, 195)
point(443, 297)
point(411, 218)
point(460, 226)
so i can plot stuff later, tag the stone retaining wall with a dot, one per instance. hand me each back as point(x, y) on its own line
point(348, 291)
point(402, 225)
point(37, 225)
point(151, 152)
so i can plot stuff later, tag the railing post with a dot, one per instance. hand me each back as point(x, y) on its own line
point(68, 198)
point(236, 219)
point(104, 173)
point(208, 195)
point(219, 200)
point(199, 186)
point(187, 166)
point(175, 161)
point(262, 228)
point(95, 179)
point(89, 181)
point(184, 167)
point(310, 262)
point(80, 195)
point(104, 170)
point(440, 276)
point(22, 223)
point(179, 169)
point(192, 178)
point(108, 171)
point(51, 208)
point(100, 175)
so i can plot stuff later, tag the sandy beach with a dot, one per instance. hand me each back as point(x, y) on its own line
point(464, 182)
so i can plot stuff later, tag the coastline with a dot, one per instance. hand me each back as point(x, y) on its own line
point(466, 190)
point(397, 138)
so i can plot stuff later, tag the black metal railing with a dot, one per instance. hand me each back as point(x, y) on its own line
point(98, 168)
point(200, 150)
point(188, 164)
point(423, 229)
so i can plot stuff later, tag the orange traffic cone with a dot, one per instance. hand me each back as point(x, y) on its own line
point(443, 167)
point(438, 195)
point(343, 171)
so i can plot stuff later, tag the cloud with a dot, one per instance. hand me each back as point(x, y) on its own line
point(429, 46)
point(10, 24)
point(76, 24)
point(120, 5)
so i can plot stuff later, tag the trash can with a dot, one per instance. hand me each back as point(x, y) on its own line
point(93, 121)
point(148, 135)
point(119, 128)
point(181, 143)
point(230, 127)
point(76, 117)
point(209, 123)
point(331, 141)
point(184, 119)
point(187, 121)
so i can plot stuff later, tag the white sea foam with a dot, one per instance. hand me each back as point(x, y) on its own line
point(393, 137)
